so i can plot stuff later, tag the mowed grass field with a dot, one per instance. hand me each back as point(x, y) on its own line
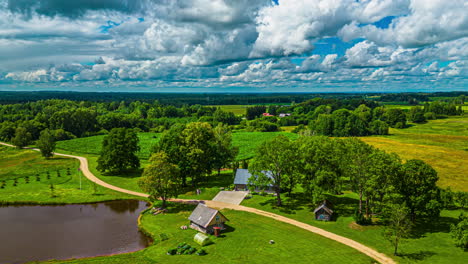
point(441, 143)
point(246, 240)
point(247, 142)
point(24, 173)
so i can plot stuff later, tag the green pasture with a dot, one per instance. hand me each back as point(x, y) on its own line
point(430, 242)
point(23, 175)
point(246, 240)
point(246, 141)
point(236, 109)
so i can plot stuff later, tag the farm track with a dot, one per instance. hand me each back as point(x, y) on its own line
point(380, 257)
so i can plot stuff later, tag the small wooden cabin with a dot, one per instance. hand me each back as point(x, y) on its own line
point(324, 211)
point(204, 218)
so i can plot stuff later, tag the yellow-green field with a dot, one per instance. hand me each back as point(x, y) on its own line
point(441, 143)
point(451, 164)
point(236, 109)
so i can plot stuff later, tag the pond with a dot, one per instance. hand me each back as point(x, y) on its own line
point(29, 233)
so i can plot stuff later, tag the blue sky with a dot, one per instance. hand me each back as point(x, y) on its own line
point(226, 45)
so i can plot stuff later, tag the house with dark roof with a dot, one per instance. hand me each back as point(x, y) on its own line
point(204, 219)
point(241, 181)
point(324, 212)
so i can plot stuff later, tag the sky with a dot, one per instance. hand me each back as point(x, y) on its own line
point(234, 45)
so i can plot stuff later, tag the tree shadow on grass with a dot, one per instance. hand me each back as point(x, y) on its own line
point(419, 256)
point(343, 206)
point(134, 173)
point(435, 225)
point(291, 204)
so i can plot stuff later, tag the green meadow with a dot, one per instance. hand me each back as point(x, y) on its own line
point(246, 240)
point(442, 143)
point(247, 142)
point(26, 177)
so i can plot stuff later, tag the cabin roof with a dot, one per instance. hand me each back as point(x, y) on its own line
point(326, 205)
point(243, 175)
point(202, 215)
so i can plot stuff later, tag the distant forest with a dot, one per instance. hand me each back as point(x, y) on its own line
point(340, 115)
point(179, 99)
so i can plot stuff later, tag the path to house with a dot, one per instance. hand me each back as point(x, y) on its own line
point(230, 197)
point(382, 258)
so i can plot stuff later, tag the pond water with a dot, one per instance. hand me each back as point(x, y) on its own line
point(29, 233)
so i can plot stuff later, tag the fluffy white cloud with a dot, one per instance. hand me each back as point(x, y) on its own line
point(213, 43)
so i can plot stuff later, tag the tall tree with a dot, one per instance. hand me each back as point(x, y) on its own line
point(225, 152)
point(275, 156)
point(22, 137)
point(320, 166)
point(358, 164)
point(119, 150)
point(160, 178)
point(200, 148)
point(46, 143)
point(418, 189)
point(399, 226)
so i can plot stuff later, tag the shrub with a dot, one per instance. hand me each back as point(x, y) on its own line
point(361, 219)
point(201, 252)
point(172, 251)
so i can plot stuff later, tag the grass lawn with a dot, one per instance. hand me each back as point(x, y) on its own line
point(27, 166)
point(431, 242)
point(246, 240)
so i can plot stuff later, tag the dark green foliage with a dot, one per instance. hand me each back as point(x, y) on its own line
point(395, 117)
point(416, 115)
point(459, 232)
point(259, 125)
point(360, 219)
point(418, 189)
point(254, 112)
point(201, 252)
point(119, 150)
point(22, 137)
point(46, 143)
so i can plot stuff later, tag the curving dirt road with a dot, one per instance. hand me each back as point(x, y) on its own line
point(381, 258)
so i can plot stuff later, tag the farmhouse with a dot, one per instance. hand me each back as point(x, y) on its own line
point(241, 181)
point(204, 219)
point(324, 212)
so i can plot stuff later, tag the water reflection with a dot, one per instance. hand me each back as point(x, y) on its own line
point(29, 233)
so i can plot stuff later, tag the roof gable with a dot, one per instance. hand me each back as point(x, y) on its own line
point(325, 206)
point(203, 215)
point(243, 175)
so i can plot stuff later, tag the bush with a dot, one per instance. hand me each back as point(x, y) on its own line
point(361, 219)
point(201, 252)
point(172, 251)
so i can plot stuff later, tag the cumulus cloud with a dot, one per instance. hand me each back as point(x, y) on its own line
point(233, 42)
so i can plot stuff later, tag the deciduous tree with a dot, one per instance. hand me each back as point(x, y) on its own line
point(119, 150)
point(161, 178)
point(46, 143)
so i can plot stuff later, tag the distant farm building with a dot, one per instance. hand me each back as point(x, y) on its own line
point(284, 115)
point(241, 181)
point(324, 211)
point(267, 114)
point(205, 219)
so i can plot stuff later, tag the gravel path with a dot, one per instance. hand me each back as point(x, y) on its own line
point(381, 258)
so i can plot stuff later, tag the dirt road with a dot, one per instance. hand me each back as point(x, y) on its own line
point(381, 258)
